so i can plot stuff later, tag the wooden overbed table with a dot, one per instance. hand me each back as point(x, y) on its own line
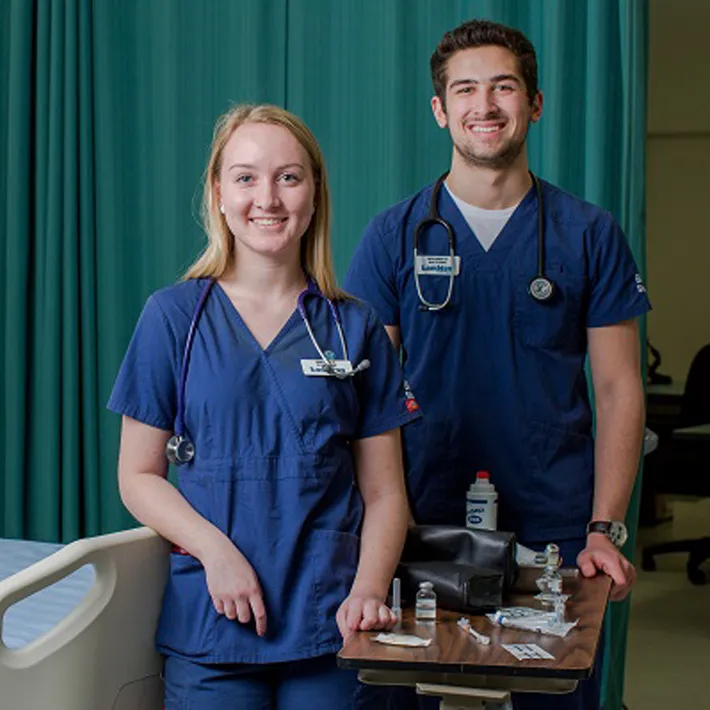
point(465, 673)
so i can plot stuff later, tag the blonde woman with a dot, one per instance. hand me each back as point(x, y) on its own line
point(280, 401)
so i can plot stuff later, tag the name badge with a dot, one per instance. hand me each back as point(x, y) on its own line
point(436, 265)
point(320, 368)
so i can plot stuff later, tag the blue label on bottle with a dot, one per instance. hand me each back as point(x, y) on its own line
point(478, 512)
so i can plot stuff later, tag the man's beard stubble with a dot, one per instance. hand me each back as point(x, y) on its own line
point(498, 161)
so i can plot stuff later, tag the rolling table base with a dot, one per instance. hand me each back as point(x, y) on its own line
point(455, 697)
point(466, 692)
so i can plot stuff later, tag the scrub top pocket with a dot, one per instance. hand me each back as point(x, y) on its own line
point(554, 323)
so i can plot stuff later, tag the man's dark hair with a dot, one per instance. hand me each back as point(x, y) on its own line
point(483, 33)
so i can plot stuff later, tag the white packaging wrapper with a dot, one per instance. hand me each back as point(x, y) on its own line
point(527, 651)
point(402, 640)
point(527, 619)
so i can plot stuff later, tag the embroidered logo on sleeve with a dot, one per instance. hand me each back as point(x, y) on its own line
point(639, 284)
point(409, 402)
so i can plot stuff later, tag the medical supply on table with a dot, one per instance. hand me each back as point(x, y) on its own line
point(465, 624)
point(180, 449)
point(550, 584)
point(550, 581)
point(470, 569)
point(425, 604)
point(559, 608)
point(482, 503)
point(397, 598)
point(528, 619)
point(540, 288)
point(402, 640)
point(526, 557)
point(527, 651)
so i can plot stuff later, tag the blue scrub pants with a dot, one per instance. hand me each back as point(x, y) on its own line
point(587, 695)
point(298, 685)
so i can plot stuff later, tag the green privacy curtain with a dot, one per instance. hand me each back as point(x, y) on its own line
point(110, 107)
point(48, 420)
point(109, 110)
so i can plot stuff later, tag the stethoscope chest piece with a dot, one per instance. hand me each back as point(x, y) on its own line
point(179, 450)
point(541, 289)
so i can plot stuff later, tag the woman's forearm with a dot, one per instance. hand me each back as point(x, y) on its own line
point(155, 502)
point(384, 529)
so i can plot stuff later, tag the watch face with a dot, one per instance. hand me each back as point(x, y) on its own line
point(618, 533)
point(615, 530)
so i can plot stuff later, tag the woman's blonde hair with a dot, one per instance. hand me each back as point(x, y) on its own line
point(218, 256)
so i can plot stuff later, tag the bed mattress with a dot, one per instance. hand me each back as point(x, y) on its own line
point(33, 616)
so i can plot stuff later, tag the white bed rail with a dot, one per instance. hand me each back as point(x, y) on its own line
point(102, 655)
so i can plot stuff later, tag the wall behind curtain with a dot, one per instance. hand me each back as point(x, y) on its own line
point(106, 121)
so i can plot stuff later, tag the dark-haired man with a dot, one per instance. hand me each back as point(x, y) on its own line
point(495, 321)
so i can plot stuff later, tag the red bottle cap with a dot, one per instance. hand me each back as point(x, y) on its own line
point(483, 474)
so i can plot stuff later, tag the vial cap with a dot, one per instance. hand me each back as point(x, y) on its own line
point(484, 475)
point(426, 585)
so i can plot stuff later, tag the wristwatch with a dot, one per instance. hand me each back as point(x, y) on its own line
point(615, 530)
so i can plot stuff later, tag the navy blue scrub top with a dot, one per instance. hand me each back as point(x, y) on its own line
point(273, 467)
point(500, 377)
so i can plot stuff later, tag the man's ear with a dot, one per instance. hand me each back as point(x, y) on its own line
point(536, 107)
point(437, 108)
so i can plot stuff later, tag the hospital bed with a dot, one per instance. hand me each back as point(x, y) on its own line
point(101, 654)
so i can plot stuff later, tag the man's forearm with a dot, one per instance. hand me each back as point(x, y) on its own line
point(619, 437)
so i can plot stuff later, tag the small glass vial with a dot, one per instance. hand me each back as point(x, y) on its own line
point(550, 582)
point(425, 607)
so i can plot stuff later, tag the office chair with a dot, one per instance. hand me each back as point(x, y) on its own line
point(694, 410)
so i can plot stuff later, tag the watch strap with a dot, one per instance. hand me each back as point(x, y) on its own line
point(599, 526)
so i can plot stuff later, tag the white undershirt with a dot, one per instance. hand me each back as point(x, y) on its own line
point(485, 224)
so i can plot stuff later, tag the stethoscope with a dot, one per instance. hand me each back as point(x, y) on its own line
point(180, 449)
point(541, 288)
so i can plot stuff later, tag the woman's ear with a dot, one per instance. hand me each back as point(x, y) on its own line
point(217, 195)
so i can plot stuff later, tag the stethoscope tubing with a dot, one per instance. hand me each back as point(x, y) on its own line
point(540, 288)
point(180, 409)
point(179, 442)
point(313, 290)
